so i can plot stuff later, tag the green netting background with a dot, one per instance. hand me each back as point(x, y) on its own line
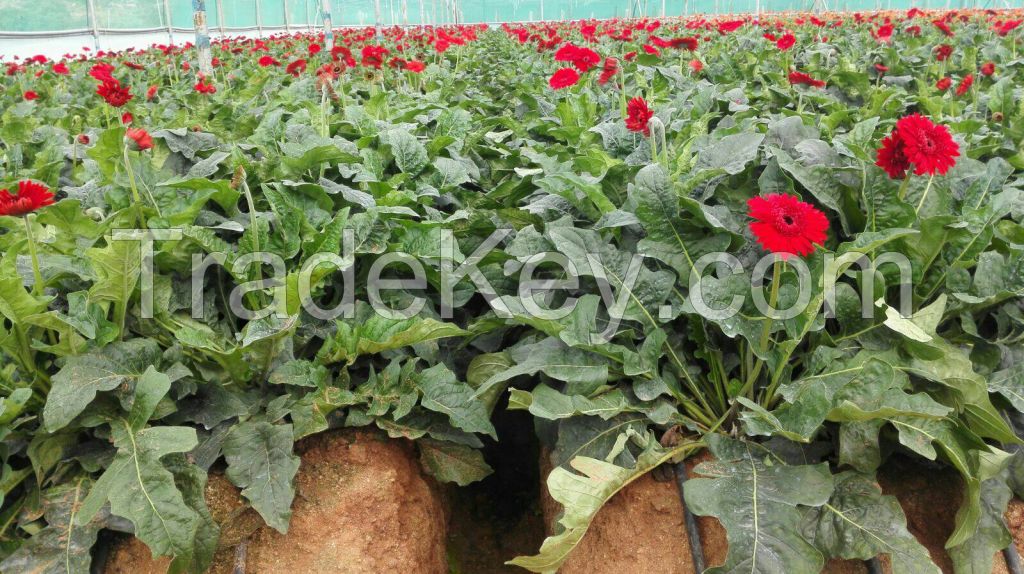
point(66, 15)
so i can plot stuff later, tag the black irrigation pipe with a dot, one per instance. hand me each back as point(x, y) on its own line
point(692, 532)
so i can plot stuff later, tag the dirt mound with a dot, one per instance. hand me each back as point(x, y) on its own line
point(362, 506)
point(640, 530)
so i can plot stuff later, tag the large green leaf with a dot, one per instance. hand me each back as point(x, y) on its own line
point(63, 546)
point(859, 522)
point(757, 498)
point(82, 376)
point(583, 493)
point(261, 463)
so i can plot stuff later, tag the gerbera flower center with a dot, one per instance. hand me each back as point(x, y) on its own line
point(787, 223)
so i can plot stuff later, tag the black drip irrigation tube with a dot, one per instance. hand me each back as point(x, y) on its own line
point(692, 532)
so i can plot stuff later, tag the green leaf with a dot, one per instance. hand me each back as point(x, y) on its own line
point(975, 556)
point(377, 334)
point(261, 463)
point(299, 373)
point(756, 498)
point(142, 490)
point(859, 522)
point(63, 546)
point(450, 462)
point(410, 154)
point(584, 371)
point(76, 384)
point(583, 493)
point(445, 394)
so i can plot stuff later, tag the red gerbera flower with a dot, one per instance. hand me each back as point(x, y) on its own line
point(638, 115)
point(786, 42)
point(943, 51)
point(563, 78)
point(415, 66)
point(881, 68)
point(139, 138)
point(297, 67)
point(29, 197)
point(102, 72)
point(151, 92)
point(944, 84)
point(30, 95)
point(696, 65)
point(928, 146)
point(610, 68)
point(798, 78)
point(965, 84)
point(114, 93)
point(205, 87)
point(684, 43)
point(61, 69)
point(785, 225)
point(988, 68)
point(266, 61)
point(891, 158)
point(943, 26)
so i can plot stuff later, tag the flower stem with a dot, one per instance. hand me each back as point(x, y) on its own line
point(773, 298)
point(37, 285)
point(903, 187)
point(135, 190)
point(925, 194)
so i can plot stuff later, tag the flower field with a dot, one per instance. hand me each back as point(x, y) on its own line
point(790, 244)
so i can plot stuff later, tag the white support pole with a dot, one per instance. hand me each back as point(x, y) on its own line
point(220, 16)
point(423, 15)
point(376, 19)
point(405, 12)
point(202, 36)
point(170, 25)
point(259, 19)
point(287, 20)
point(91, 9)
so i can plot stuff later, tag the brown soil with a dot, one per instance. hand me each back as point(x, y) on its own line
point(640, 530)
point(362, 506)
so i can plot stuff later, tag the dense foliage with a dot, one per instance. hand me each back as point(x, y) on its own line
point(631, 149)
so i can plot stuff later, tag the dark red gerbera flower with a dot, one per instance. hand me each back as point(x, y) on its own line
point(800, 78)
point(608, 71)
point(943, 51)
point(928, 146)
point(139, 139)
point(786, 42)
point(563, 78)
point(891, 158)
point(684, 43)
point(29, 197)
point(881, 68)
point(297, 67)
point(944, 84)
point(205, 87)
point(114, 93)
point(965, 84)
point(267, 61)
point(61, 69)
point(988, 68)
point(785, 225)
point(943, 26)
point(638, 115)
point(29, 95)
